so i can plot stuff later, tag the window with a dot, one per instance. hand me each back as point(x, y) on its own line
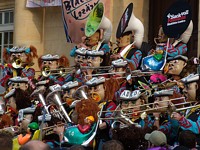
point(6, 17)
point(6, 34)
point(6, 30)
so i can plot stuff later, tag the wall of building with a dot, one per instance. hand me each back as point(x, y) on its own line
point(7, 4)
point(54, 34)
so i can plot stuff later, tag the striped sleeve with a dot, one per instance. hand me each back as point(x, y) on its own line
point(187, 124)
point(180, 49)
point(135, 59)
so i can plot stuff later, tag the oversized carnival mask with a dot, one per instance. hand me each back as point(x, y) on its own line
point(190, 87)
point(161, 102)
point(96, 88)
point(175, 64)
point(94, 58)
point(50, 61)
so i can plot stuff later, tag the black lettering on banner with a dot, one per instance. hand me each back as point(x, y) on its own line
point(79, 9)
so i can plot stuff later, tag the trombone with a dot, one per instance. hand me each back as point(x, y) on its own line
point(49, 130)
point(98, 68)
point(134, 73)
point(46, 71)
point(172, 108)
point(125, 112)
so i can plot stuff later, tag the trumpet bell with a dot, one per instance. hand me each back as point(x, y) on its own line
point(17, 63)
point(46, 71)
point(81, 93)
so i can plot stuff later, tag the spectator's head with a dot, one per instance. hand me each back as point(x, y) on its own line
point(157, 138)
point(132, 137)
point(181, 148)
point(187, 139)
point(35, 145)
point(6, 140)
point(112, 145)
point(77, 147)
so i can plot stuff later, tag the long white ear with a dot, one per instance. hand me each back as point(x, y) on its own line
point(129, 22)
point(138, 29)
point(187, 34)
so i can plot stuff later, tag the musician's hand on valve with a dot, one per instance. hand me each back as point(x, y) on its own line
point(102, 126)
point(176, 116)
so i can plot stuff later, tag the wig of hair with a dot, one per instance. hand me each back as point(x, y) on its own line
point(6, 56)
point(111, 86)
point(85, 108)
point(63, 61)
point(31, 55)
point(6, 121)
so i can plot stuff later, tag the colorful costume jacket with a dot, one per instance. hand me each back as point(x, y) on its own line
point(9, 72)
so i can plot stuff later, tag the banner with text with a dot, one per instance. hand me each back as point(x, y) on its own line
point(42, 3)
point(176, 19)
point(75, 13)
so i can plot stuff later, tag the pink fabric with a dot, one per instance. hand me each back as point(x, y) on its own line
point(157, 78)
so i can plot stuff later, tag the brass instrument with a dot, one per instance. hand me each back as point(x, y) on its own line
point(38, 93)
point(185, 108)
point(11, 129)
point(125, 113)
point(46, 71)
point(99, 68)
point(49, 130)
point(55, 97)
point(134, 73)
point(147, 108)
point(118, 117)
point(17, 63)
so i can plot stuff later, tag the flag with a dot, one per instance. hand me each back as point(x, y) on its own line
point(75, 13)
point(42, 3)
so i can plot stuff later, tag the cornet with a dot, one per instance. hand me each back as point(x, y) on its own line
point(17, 63)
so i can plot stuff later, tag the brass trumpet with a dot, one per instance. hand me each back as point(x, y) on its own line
point(17, 63)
